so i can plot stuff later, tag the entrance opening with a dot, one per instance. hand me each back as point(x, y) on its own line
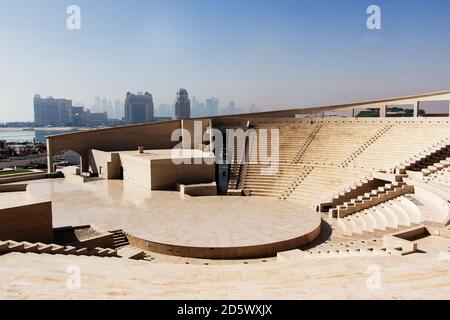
point(395, 111)
point(434, 109)
point(367, 112)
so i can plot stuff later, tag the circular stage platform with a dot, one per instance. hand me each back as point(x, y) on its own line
point(227, 228)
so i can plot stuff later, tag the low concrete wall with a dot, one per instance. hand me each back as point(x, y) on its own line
point(166, 174)
point(13, 187)
point(103, 238)
point(103, 241)
point(162, 174)
point(404, 240)
point(31, 223)
point(136, 171)
point(105, 164)
point(198, 190)
point(23, 177)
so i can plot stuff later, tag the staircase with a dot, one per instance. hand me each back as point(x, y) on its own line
point(381, 194)
point(288, 191)
point(237, 166)
point(306, 144)
point(120, 239)
point(233, 181)
point(351, 192)
point(269, 185)
point(439, 172)
point(423, 163)
point(363, 147)
point(38, 247)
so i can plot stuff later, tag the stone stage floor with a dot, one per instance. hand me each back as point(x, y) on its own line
point(161, 221)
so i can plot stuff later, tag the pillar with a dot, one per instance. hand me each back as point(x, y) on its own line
point(383, 111)
point(50, 167)
point(416, 106)
point(84, 162)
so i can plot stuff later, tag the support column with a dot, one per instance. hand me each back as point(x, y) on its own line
point(84, 162)
point(416, 109)
point(50, 167)
point(383, 111)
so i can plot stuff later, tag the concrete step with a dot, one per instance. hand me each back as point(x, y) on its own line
point(130, 253)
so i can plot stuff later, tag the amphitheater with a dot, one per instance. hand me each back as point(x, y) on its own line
point(357, 208)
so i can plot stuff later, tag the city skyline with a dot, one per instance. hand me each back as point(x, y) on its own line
point(207, 106)
point(276, 54)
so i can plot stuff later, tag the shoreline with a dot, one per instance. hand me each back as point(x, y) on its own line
point(45, 129)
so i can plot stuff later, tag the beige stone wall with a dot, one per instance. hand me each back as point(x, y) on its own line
point(149, 136)
point(31, 223)
point(136, 171)
point(13, 187)
point(105, 164)
point(23, 177)
point(166, 174)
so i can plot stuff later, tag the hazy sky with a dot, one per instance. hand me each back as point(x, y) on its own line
point(276, 53)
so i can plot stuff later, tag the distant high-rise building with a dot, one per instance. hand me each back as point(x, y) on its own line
point(96, 107)
point(231, 107)
point(50, 111)
point(196, 108)
point(104, 105)
point(118, 109)
point(139, 108)
point(182, 105)
point(110, 110)
point(211, 107)
point(82, 116)
point(164, 110)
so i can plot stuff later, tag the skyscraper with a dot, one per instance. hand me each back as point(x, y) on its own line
point(182, 105)
point(231, 107)
point(96, 107)
point(104, 105)
point(50, 111)
point(118, 109)
point(212, 107)
point(164, 110)
point(197, 108)
point(139, 108)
